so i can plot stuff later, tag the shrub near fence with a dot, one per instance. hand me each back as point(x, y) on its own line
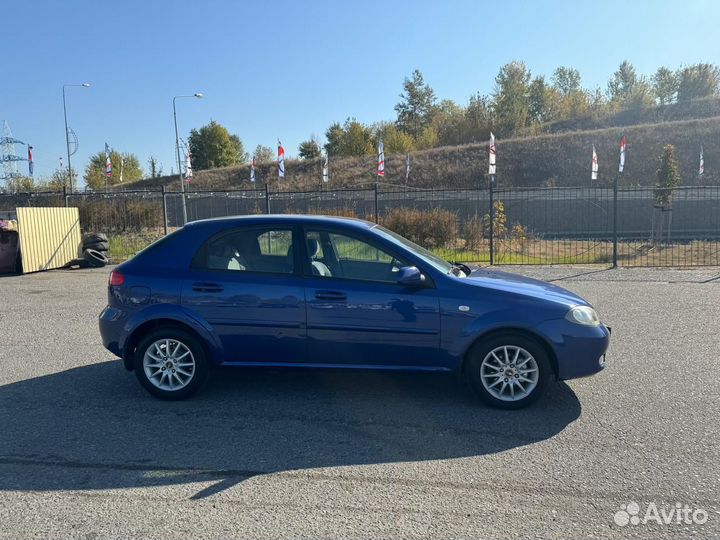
point(529, 226)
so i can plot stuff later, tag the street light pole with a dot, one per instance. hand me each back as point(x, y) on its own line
point(67, 138)
point(177, 151)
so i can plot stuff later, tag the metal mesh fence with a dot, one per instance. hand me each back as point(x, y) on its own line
point(529, 225)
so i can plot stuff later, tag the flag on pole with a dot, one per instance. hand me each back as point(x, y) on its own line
point(381, 160)
point(108, 163)
point(31, 164)
point(701, 169)
point(252, 171)
point(325, 175)
point(407, 167)
point(593, 175)
point(188, 164)
point(491, 155)
point(281, 160)
point(623, 144)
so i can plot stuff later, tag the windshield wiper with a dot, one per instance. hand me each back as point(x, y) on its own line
point(462, 266)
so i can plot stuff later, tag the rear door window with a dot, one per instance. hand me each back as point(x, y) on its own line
point(264, 250)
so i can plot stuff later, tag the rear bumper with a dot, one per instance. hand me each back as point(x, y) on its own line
point(111, 322)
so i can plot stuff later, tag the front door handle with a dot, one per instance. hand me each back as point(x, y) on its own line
point(330, 295)
point(207, 287)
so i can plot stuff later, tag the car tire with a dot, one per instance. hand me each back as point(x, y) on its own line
point(95, 258)
point(92, 238)
point(176, 384)
point(97, 246)
point(508, 370)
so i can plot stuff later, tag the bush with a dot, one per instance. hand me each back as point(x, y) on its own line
point(519, 235)
point(339, 212)
point(473, 233)
point(119, 215)
point(431, 228)
point(499, 222)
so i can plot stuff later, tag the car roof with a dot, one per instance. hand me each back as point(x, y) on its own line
point(256, 219)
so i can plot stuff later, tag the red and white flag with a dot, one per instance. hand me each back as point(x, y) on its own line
point(281, 160)
point(108, 163)
point(252, 171)
point(491, 155)
point(381, 160)
point(701, 169)
point(623, 144)
point(31, 163)
point(593, 175)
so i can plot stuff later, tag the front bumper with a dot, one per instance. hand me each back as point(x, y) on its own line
point(580, 351)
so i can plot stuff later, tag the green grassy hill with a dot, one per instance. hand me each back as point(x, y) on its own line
point(559, 157)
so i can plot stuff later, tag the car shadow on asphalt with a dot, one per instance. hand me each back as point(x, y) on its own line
point(93, 427)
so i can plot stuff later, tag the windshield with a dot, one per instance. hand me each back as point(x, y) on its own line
point(426, 255)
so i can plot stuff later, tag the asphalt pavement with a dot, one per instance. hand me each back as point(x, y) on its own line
point(85, 453)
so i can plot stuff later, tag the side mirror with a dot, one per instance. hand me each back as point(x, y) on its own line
point(411, 276)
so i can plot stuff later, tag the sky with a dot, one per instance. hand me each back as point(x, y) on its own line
point(288, 69)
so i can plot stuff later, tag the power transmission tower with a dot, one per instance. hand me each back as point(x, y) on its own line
point(8, 157)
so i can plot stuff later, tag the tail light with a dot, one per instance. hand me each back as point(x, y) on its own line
point(116, 279)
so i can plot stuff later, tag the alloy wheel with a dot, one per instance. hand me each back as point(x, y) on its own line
point(509, 373)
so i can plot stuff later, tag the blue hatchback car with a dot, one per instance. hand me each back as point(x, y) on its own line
point(325, 292)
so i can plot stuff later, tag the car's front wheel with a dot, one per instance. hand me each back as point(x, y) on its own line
point(170, 363)
point(508, 371)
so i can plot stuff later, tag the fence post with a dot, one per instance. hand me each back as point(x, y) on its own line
point(376, 203)
point(65, 196)
point(164, 208)
point(492, 223)
point(267, 198)
point(615, 218)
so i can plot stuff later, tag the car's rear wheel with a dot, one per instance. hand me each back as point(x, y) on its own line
point(170, 363)
point(508, 371)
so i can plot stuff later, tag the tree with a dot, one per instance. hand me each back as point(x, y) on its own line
point(622, 83)
point(155, 167)
point(448, 122)
point(334, 136)
point(213, 146)
point(479, 119)
point(95, 170)
point(511, 98)
point(668, 176)
point(642, 95)
point(350, 139)
point(428, 138)
point(395, 140)
point(566, 80)
point(698, 81)
point(61, 179)
point(414, 112)
point(21, 184)
point(309, 149)
point(665, 85)
point(357, 139)
point(263, 154)
point(542, 100)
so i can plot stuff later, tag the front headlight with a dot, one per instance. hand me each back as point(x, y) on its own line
point(584, 315)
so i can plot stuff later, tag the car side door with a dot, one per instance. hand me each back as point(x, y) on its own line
point(246, 283)
point(357, 312)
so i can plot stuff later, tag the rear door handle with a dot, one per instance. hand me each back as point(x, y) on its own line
point(330, 295)
point(207, 287)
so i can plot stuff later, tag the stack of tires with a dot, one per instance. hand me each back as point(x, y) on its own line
point(95, 249)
